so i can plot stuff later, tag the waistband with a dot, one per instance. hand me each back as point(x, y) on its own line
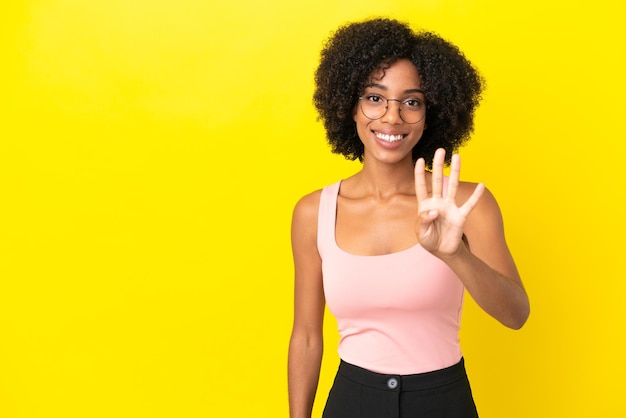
point(411, 382)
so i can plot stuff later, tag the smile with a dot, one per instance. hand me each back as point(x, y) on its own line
point(389, 138)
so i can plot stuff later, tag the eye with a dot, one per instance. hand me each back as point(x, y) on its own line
point(375, 98)
point(414, 104)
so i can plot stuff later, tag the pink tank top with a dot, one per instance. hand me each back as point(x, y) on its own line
point(397, 313)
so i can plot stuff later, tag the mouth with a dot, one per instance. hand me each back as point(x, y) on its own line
point(389, 138)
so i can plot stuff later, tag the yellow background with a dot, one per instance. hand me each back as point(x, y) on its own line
point(151, 153)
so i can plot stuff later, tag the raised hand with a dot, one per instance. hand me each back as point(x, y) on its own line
point(440, 221)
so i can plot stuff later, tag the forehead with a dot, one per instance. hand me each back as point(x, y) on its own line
point(401, 73)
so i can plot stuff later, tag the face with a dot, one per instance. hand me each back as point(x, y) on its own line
point(390, 139)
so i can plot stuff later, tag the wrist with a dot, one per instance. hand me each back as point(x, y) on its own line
point(461, 252)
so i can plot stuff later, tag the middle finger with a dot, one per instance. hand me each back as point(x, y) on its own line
point(437, 176)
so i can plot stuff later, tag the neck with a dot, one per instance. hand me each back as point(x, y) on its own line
point(382, 181)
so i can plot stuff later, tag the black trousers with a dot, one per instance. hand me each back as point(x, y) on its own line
point(359, 393)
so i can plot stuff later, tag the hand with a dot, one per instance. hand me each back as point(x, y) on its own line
point(440, 221)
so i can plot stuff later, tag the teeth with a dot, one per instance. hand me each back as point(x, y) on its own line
point(389, 138)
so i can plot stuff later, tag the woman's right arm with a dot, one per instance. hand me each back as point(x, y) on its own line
point(306, 344)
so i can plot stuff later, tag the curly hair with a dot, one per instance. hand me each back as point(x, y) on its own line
point(355, 51)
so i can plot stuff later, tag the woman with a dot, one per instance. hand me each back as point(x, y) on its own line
point(393, 248)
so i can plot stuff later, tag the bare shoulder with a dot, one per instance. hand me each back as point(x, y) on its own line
point(485, 220)
point(307, 208)
point(304, 220)
point(484, 230)
point(487, 204)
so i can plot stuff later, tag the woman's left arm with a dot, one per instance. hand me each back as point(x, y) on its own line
point(486, 266)
point(483, 261)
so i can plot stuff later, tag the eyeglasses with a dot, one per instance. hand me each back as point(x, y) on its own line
point(375, 106)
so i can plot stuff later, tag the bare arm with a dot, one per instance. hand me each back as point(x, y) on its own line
point(306, 344)
point(485, 266)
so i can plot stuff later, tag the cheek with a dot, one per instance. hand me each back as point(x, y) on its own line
point(359, 130)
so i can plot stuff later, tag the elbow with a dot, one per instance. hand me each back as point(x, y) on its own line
point(517, 324)
point(519, 318)
point(307, 342)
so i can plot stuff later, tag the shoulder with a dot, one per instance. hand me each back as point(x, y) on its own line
point(307, 207)
point(484, 230)
point(304, 232)
point(485, 220)
point(486, 204)
point(304, 219)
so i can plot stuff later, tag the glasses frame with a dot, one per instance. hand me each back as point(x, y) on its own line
point(362, 98)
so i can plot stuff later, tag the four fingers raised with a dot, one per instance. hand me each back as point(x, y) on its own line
point(421, 187)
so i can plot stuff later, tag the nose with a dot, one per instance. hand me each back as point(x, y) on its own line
point(393, 115)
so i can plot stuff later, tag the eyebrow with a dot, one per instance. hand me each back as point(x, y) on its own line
point(380, 86)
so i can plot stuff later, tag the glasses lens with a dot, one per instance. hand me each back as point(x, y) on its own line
point(412, 110)
point(373, 106)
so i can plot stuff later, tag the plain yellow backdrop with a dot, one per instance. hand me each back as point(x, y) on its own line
point(151, 153)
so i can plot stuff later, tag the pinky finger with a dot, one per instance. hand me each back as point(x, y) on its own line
point(472, 201)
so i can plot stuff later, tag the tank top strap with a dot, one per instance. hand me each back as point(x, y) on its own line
point(326, 218)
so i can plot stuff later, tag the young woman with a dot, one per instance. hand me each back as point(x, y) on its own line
point(392, 249)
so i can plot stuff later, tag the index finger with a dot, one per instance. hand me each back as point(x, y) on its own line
point(421, 191)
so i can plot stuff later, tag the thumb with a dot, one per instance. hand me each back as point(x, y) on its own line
point(428, 215)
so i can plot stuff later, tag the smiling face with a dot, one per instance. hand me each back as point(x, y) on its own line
point(390, 139)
